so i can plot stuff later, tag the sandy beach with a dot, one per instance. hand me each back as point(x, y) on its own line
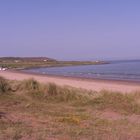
point(95, 85)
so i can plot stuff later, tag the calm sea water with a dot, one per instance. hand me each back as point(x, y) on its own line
point(116, 70)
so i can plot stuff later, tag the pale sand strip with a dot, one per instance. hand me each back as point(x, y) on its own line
point(96, 85)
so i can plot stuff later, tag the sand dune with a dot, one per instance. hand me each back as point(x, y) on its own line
point(96, 85)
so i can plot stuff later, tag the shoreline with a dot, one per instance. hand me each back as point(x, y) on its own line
point(81, 78)
point(83, 83)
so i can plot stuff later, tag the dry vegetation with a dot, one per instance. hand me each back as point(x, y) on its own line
point(30, 110)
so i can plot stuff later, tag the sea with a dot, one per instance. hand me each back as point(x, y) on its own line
point(128, 70)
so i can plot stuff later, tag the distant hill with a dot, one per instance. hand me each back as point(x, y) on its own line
point(38, 62)
point(31, 59)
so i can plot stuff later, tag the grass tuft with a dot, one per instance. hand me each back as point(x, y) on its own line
point(30, 84)
point(64, 94)
point(33, 88)
point(4, 86)
point(52, 89)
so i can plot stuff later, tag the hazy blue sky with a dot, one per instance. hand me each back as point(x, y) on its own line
point(70, 29)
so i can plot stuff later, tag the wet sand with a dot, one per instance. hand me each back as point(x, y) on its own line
point(88, 84)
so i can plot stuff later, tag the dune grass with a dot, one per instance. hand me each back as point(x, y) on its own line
point(30, 85)
point(4, 86)
point(38, 111)
point(51, 92)
point(122, 103)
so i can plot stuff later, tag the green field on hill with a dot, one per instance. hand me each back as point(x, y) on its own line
point(33, 62)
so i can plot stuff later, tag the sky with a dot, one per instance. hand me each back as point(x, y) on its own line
point(70, 29)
